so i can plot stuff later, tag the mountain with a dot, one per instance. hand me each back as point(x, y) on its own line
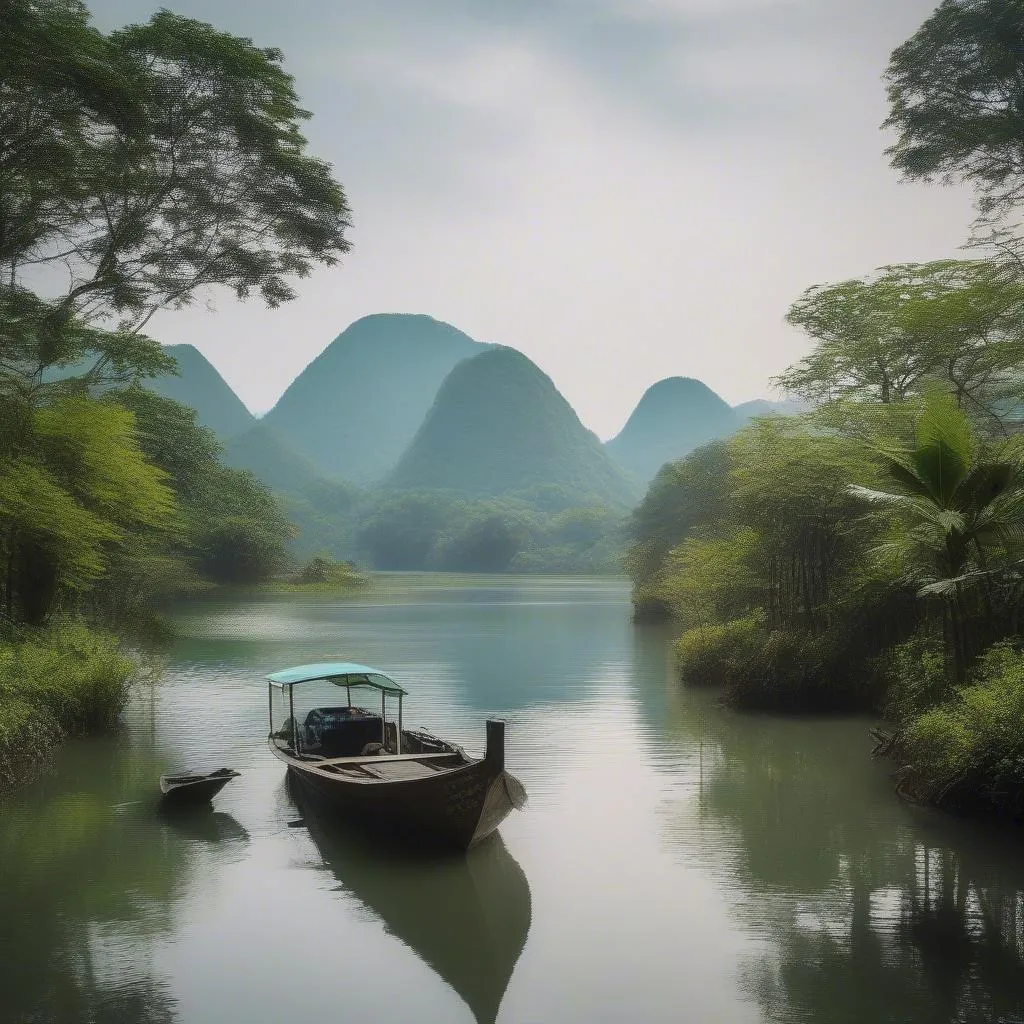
point(499, 425)
point(674, 416)
point(356, 407)
point(199, 386)
point(746, 411)
point(271, 459)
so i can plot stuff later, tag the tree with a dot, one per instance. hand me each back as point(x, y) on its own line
point(956, 95)
point(884, 339)
point(488, 542)
point(136, 169)
point(682, 497)
point(76, 488)
point(961, 520)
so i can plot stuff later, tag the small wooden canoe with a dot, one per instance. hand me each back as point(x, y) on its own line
point(192, 788)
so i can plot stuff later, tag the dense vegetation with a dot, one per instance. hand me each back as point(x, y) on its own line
point(869, 554)
point(136, 167)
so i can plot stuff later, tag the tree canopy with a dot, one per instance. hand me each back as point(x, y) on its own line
point(138, 169)
point(956, 94)
point(887, 337)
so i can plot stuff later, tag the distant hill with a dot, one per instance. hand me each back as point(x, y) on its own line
point(674, 416)
point(746, 411)
point(356, 407)
point(499, 425)
point(270, 458)
point(199, 386)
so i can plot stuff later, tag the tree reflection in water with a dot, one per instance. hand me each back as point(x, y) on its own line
point(89, 877)
point(870, 910)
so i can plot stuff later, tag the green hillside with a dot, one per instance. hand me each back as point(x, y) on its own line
point(499, 425)
point(200, 387)
point(270, 458)
point(356, 407)
point(674, 416)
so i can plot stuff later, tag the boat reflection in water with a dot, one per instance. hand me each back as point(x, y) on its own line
point(465, 915)
point(204, 824)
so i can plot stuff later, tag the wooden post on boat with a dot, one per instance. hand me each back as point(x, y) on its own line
point(495, 754)
point(291, 712)
point(398, 728)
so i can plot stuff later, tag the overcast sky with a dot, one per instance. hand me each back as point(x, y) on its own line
point(624, 190)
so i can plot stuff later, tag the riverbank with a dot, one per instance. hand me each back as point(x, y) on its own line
point(67, 680)
point(959, 748)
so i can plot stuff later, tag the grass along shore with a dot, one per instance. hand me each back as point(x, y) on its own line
point(62, 681)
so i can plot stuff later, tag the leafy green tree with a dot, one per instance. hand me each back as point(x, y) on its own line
point(961, 520)
point(401, 530)
point(487, 542)
point(957, 103)
point(683, 496)
point(160, 159)
point(137, 169)
point(885, 339)
point(76, 488)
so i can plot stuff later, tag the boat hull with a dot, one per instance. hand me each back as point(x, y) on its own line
point(200, 791)
point(454, 808)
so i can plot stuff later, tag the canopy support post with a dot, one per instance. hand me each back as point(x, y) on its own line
point(383, 720)
point(398, 742)
point(348, 693)
point(270, 705)
point(291, 712)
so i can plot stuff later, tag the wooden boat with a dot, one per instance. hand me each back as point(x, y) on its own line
point(361, 764)
point(466, 916)
point(192, 788)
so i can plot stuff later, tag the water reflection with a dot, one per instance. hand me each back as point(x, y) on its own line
point(89, 878)
point(872, 910)
point(508, 646)
point(465, 916)
point(204, 824)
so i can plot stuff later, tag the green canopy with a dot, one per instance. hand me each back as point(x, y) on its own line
point(342, 673)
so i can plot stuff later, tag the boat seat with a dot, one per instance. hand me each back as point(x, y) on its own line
point(341, 731)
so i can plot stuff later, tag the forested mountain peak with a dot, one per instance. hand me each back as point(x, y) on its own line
point(355, 408)
point(674, 416)
point(199, 386)
point(499, 425)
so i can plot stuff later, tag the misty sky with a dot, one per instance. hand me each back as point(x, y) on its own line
point(624, 190)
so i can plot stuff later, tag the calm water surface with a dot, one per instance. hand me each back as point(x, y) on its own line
point(676, 862)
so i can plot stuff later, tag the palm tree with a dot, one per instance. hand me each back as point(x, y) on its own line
point(960, 513)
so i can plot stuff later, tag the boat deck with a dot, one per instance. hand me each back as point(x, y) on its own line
point(389, 767)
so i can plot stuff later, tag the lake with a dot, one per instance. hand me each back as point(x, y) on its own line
point(676, 861)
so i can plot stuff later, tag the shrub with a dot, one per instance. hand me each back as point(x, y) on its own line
point(970, 751)
point(67, 680)
point(915, 674)
point(327, 572)
point(782, 670)
point(719, 653)
point(28, 735)
point(650, 607)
